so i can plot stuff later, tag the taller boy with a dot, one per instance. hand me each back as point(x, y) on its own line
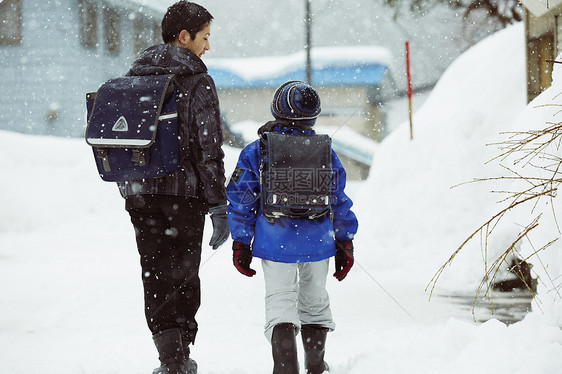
point(295, 250)
point(168, 213)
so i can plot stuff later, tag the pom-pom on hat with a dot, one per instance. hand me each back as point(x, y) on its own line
point(296, 101)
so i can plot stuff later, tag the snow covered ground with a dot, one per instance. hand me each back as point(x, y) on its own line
point(71, 290)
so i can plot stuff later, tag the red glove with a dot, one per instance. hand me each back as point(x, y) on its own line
point(344, 259)
point(242, 258)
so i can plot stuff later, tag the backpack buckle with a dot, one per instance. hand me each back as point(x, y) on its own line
point(102, 153)
point(138, 157)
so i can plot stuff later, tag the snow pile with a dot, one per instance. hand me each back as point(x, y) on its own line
point(416, 218)
point(72, 296)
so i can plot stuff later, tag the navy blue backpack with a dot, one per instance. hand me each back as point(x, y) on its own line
point(133, 128)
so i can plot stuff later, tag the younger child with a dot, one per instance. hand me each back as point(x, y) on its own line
point(294, 251)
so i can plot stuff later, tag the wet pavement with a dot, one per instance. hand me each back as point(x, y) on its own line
point(507, 307)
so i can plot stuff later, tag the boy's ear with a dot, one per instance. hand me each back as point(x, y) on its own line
point(184, 37)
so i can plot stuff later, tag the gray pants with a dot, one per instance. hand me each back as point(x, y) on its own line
point(296, 293)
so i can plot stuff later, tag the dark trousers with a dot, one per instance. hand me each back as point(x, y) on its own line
point(169, 231)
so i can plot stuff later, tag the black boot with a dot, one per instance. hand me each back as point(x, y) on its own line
point(171, 352)
point(314, 341)
point(191, 365)
point(284, 349)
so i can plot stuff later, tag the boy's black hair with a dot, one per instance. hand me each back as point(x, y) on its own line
point(184, 15)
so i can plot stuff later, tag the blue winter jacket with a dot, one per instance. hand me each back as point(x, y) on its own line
point(286, 239)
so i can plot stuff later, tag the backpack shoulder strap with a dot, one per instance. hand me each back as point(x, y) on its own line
point(197, 78)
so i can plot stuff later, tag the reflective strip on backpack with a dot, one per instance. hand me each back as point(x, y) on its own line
point(119, 142)
point(168, 116)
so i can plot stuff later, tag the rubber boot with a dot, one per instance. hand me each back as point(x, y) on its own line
point(191, 364)
point(314, 341)
point(170, 352)
point(284, 349)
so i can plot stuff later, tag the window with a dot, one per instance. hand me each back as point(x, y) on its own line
point(10, 22)
point(112, 30)
point(88, 24)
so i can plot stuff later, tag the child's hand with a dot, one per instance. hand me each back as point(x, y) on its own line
point(242, 258)
point(344, 259)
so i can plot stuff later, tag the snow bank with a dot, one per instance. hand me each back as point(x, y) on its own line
point(416, 219)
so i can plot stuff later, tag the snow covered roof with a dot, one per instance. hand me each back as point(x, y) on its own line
point(331, 66)
point(541, 7)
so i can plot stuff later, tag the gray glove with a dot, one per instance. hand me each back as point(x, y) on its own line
point(221, 230)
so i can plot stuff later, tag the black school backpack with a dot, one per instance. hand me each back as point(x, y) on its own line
point(133, 128)
point(295, 175)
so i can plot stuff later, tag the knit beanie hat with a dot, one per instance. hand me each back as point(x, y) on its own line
point(296, 101)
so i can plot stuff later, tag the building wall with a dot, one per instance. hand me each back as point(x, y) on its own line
point(45, 77)
point(341, 105)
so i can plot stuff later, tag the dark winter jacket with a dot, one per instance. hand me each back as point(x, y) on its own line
point(286, 239)
point(202, 172)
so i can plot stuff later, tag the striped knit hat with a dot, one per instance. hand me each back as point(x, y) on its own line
point(296, 101)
